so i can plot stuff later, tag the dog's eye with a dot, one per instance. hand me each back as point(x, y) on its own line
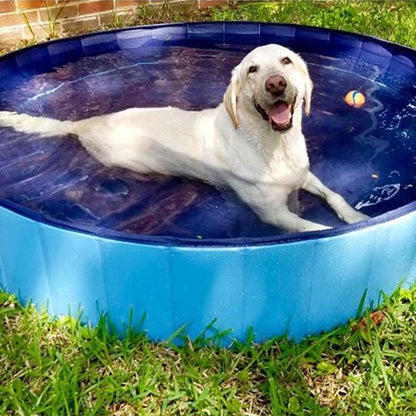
point(286, 61)
point(253, 69)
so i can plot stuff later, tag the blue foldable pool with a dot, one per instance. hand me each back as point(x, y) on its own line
point(77, 235)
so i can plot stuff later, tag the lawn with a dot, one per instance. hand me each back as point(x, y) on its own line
point(392, 20)
point(59, 367)
point(368, 367)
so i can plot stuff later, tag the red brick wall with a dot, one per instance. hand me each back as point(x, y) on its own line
point(73, 14)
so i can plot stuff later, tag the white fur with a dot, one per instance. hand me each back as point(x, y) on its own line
point(230, 145)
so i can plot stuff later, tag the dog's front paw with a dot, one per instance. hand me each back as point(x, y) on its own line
point(353, 216)
point(312, 226)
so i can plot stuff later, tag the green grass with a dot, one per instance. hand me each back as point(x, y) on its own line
point(392, 20)
point(59, 367)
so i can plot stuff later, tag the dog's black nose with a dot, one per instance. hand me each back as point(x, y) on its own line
point(276, 85)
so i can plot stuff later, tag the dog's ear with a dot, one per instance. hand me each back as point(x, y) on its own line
point(308, 85)
point(308, 95)
point(231, 96)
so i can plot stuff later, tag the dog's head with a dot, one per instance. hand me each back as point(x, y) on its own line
point(273, 81)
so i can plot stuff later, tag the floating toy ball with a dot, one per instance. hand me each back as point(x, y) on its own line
point(355, 99)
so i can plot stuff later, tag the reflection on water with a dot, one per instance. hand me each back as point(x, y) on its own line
point(367, 154)
point(380, 194)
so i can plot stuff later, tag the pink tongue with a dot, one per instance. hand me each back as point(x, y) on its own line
point(279, 113)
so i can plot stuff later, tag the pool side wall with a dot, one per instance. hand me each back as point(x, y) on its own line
point(301, 287)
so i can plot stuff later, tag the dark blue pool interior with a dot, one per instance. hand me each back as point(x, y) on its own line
point(368, 155)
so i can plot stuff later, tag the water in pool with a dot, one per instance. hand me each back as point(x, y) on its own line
point(368, 154)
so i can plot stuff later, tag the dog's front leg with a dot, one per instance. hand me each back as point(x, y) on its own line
point(284, 218)
point(344, 211)
point(271, 205)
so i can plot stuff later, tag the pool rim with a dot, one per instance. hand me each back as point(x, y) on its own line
point(109, 234)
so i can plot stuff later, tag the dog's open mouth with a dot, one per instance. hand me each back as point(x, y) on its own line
point(279, 115)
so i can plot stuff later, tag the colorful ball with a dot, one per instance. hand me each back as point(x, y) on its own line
point(355, 99)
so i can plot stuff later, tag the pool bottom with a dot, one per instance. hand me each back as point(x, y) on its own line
point(355, 152)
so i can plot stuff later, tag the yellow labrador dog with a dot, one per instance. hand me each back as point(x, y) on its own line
point(252, 142)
